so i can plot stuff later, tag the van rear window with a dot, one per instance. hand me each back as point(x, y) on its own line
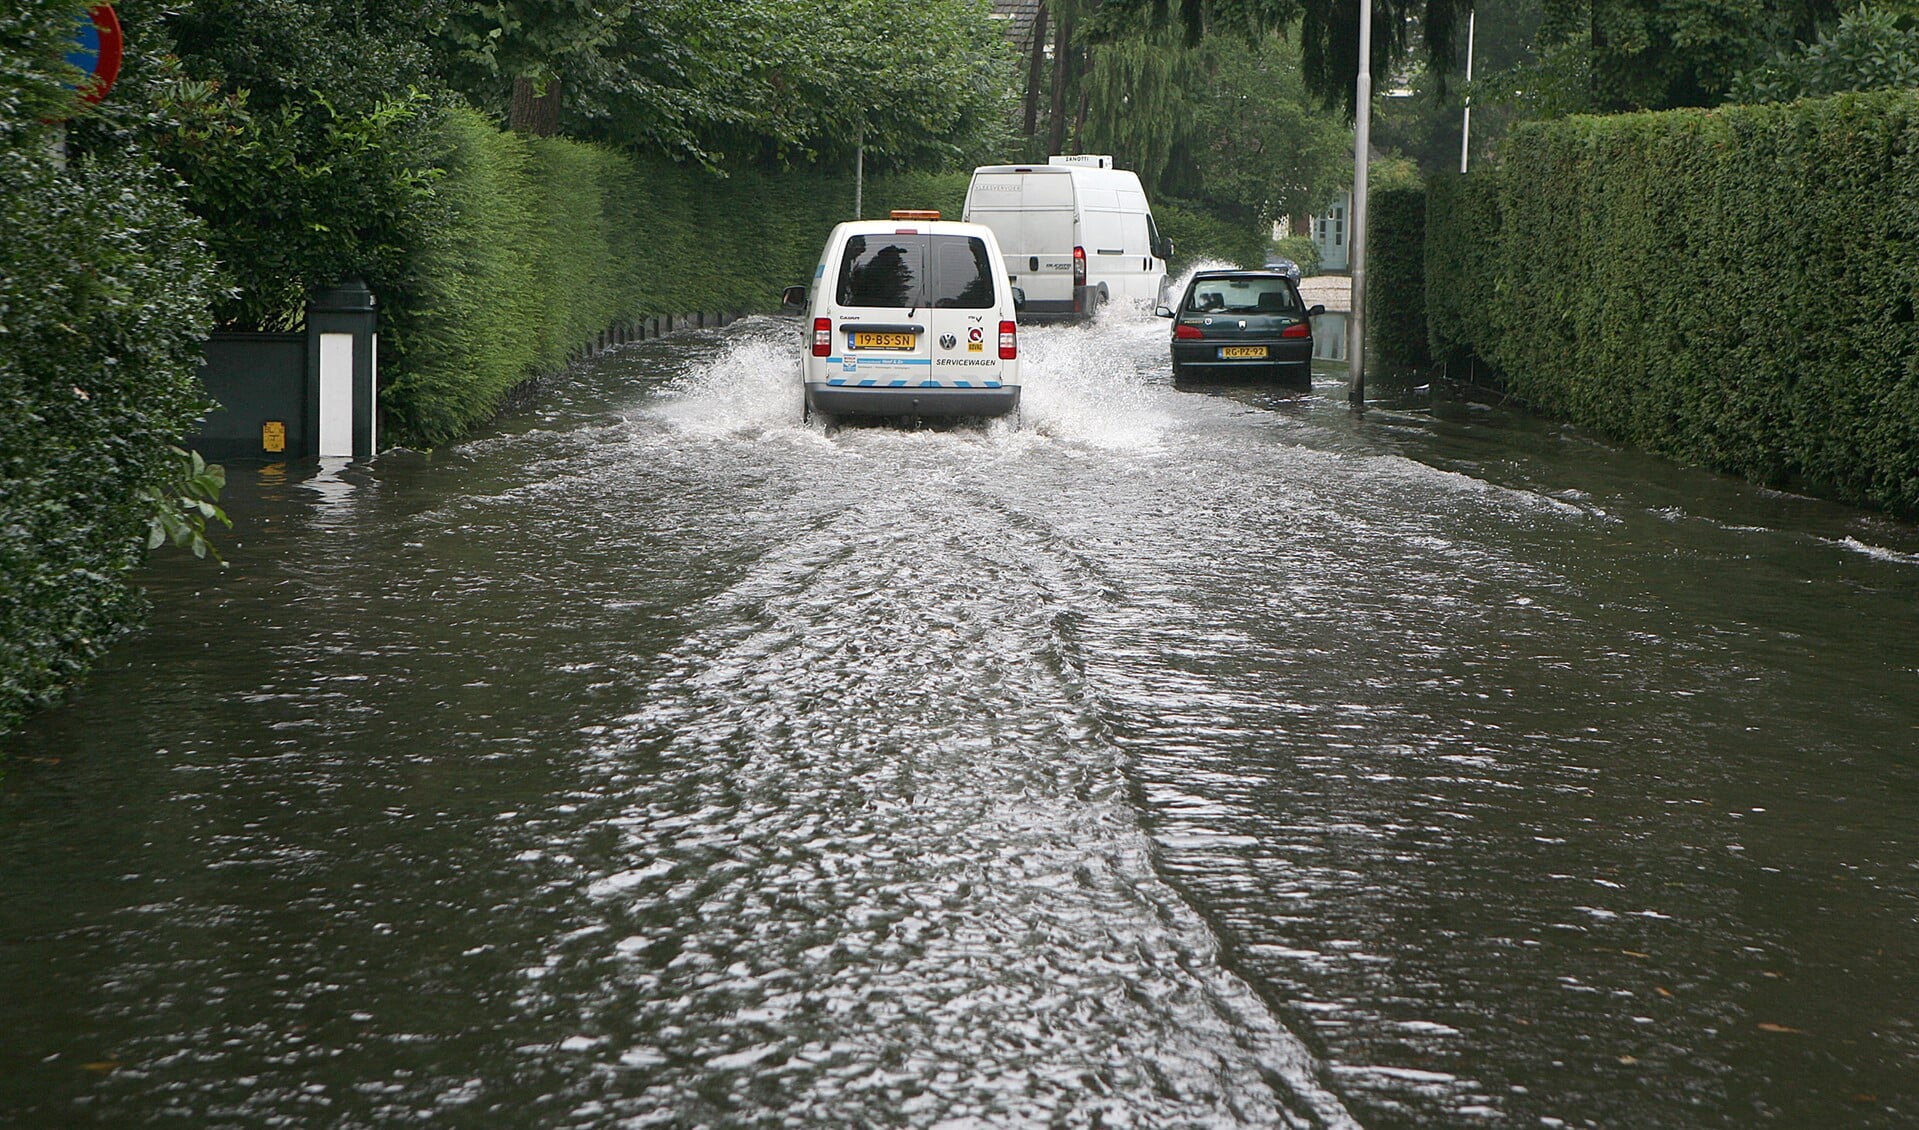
point(914, 271)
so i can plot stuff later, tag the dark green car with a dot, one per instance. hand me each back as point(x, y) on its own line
point(1242, 323)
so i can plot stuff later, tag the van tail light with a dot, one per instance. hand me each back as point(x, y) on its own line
point(1079, 266)
point(822, 336)
point(1008, 341)
point(1187, 333)
point(1297, 329)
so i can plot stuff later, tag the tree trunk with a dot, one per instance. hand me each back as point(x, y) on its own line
point(1035, 71)
point(1062, 59)
point(535, 110)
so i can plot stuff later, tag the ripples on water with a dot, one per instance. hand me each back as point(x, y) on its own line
point(1158, 759)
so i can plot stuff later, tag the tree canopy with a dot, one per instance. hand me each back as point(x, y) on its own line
point(1327, 32)
point(1875, 47)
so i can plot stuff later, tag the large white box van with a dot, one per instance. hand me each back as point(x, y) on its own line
point(912, 316)
point(1076, 232)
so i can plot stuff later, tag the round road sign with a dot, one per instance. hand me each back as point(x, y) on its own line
point(96, 50)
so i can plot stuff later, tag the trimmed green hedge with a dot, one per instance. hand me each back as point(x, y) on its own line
point(1462, 238)
point(105, 294)
point(1733, 288)
point(543, 243)
point(1396, 279)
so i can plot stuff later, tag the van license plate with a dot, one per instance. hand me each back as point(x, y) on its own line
point(1229, 352)
point(883, 341)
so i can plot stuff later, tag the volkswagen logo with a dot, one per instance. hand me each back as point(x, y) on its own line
point(948, 341)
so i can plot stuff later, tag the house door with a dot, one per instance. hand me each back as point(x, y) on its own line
point(1329, 234)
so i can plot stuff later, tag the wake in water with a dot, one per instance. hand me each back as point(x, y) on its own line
point(1076, 386)
point(874, 862)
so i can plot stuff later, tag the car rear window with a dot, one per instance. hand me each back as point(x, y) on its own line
point(916, 270)
point(1243, 296)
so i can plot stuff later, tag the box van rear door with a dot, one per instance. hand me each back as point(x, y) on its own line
point(1032, 214)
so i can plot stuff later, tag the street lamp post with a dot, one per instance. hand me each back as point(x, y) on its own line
point(1466, 120)
point(1362, 141)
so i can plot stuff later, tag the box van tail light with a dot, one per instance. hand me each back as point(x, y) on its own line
point(1079, 266)
point(1008, 341)
point(1297, 329)
point(1187, 333)
point(822, 336)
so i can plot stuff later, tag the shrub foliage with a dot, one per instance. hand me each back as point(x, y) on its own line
point(104, 292)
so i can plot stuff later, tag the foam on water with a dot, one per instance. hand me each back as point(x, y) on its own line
point(866, 857)
point(1075, 388)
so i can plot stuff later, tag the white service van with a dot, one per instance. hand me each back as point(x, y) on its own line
point(911, 316)
point(1076, 232)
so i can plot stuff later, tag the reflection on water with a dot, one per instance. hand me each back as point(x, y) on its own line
point(1153, 759)
point(1331, 332)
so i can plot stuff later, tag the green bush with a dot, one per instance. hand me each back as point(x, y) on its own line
point(1396, 278)
point(104, 303)
point(1733, 288)
point(1300, 249)
point(1200, 237)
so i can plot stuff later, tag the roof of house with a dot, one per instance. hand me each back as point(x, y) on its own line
point(1019, 16)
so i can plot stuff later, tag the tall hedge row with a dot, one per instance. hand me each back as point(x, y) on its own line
point(542, 243)
point(1396, 279)
point(1733, 288)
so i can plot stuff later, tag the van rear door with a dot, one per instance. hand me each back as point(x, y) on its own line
point(918, 307)
point(1032, 211)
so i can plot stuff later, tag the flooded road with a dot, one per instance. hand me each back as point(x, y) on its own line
point(1205, 757)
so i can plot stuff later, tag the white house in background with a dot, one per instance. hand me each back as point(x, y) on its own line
point(1329, 231)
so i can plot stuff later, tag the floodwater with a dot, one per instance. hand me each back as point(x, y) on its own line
point(1209, 757)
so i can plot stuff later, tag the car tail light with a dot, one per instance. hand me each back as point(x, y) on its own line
point(822, 336)
point(1187, 333)
point(1008, 341)
point(1297, 329)
point(1079, 266)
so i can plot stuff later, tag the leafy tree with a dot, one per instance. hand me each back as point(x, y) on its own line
point(1660, 54)
point(758, 82)
point(1872, 48)
point(1143, 98)
point(1263, 148)
point(1226, 126)
point(1420, 109)
point(916, 83)
point(302, 137)
point(1327, 30)
point(521, 51)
